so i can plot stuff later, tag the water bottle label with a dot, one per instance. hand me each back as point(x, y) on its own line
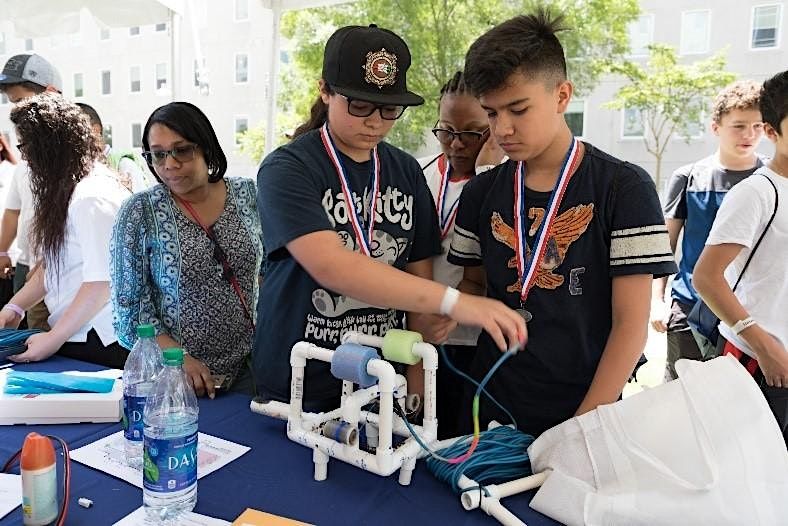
point(169, 464)
point(133, 407)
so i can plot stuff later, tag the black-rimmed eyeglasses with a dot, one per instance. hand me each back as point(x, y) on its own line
point(182, 154)
point(467, 137)
point(362, 108)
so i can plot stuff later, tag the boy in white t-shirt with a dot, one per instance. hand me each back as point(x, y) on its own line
point(753, 324)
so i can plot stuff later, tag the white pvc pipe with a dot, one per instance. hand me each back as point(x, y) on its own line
point(362, 339)
point(386, 376)
point(492, 504)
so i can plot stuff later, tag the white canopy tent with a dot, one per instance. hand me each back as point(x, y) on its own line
point(37, 18)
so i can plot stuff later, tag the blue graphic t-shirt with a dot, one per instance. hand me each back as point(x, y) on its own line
point(299, 193)
point(609, 224)
point(694, 194)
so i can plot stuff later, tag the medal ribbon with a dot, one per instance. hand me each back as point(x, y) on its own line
point(446, 220)
point(362, 231)
point(526, 270)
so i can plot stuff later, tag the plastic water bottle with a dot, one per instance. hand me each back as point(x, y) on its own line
point(169, 482)
point(142, 365)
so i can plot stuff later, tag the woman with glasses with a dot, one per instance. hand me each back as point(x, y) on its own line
point(186, 253)
point(349, 224)
point(75, 201)
point(463, 132)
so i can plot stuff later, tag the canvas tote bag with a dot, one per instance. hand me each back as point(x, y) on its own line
point(701, 450)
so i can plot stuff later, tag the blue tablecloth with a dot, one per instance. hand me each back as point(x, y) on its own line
point(274, 476)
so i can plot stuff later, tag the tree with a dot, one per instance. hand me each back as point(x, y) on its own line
point(439, 33)
point(670, 97)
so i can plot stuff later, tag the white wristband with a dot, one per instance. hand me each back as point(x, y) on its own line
point(740, 325)
point(450, 299)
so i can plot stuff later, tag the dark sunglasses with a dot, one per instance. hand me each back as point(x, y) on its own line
point(362, 108)
point(468, 137)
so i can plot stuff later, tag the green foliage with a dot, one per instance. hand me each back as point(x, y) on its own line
point(671, 97)
point(439, 33)
point(252, 142)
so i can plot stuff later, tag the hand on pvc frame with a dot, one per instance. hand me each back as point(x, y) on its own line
point(434, 328)
point(501, 323)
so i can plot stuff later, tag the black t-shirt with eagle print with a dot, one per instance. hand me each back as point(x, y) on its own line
point(609, 224)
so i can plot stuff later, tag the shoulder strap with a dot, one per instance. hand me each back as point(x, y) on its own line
point(763, 234)
point(431, 162)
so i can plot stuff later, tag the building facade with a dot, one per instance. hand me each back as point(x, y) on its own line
point(218, 61)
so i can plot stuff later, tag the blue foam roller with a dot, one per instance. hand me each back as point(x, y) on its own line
point(350, 363)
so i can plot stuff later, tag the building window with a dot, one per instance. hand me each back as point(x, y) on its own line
point(641, 35)
point(79, 89)
point(2, 43)
point(695, 32)
point(135, 79)
point(241, 10)
point(766, 26)
point(161, 27)
point(106, 83)
point(104, 34)
point(3, 98)
point(134, 31)
point(107, 134)
point(136, 135)
point(241, 68)
point(241, 125)
point(575, 117)
point(28, 44)
point(632, 123)
point(161, 76)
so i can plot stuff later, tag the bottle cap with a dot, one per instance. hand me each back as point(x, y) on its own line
point(37, 452)
point(146, 330)
point(173, 356)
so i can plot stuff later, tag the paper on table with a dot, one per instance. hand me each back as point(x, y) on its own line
point(108, 455)
point(10, 493)
point(137, 518)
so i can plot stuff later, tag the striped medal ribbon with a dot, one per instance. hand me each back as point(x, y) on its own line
point(362, 231)
point(446, 219)
point(526, 270)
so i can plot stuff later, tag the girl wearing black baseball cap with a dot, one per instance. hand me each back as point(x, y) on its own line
point(333, 267)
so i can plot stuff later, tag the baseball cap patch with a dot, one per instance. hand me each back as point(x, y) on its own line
point(381, 68)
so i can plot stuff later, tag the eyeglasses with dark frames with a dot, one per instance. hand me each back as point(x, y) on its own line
point(467, 137)
point(362, 108)
point(182, 154)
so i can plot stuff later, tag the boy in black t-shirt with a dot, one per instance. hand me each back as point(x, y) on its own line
point(592, 236)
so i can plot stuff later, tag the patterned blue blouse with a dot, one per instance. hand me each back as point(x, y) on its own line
point(164, 273)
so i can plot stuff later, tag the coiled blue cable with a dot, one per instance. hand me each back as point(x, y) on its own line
point(501, 456)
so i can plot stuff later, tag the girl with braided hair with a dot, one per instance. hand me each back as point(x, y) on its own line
point(463, 132)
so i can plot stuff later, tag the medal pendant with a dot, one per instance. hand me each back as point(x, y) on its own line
point(527, 316)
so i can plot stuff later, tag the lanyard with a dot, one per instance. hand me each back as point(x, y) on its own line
point(362, 231)
point(227, 271)
point(526, 270)
point(446, 219)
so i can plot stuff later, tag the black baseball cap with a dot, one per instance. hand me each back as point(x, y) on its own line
point(369, 64)
point(31, 68)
